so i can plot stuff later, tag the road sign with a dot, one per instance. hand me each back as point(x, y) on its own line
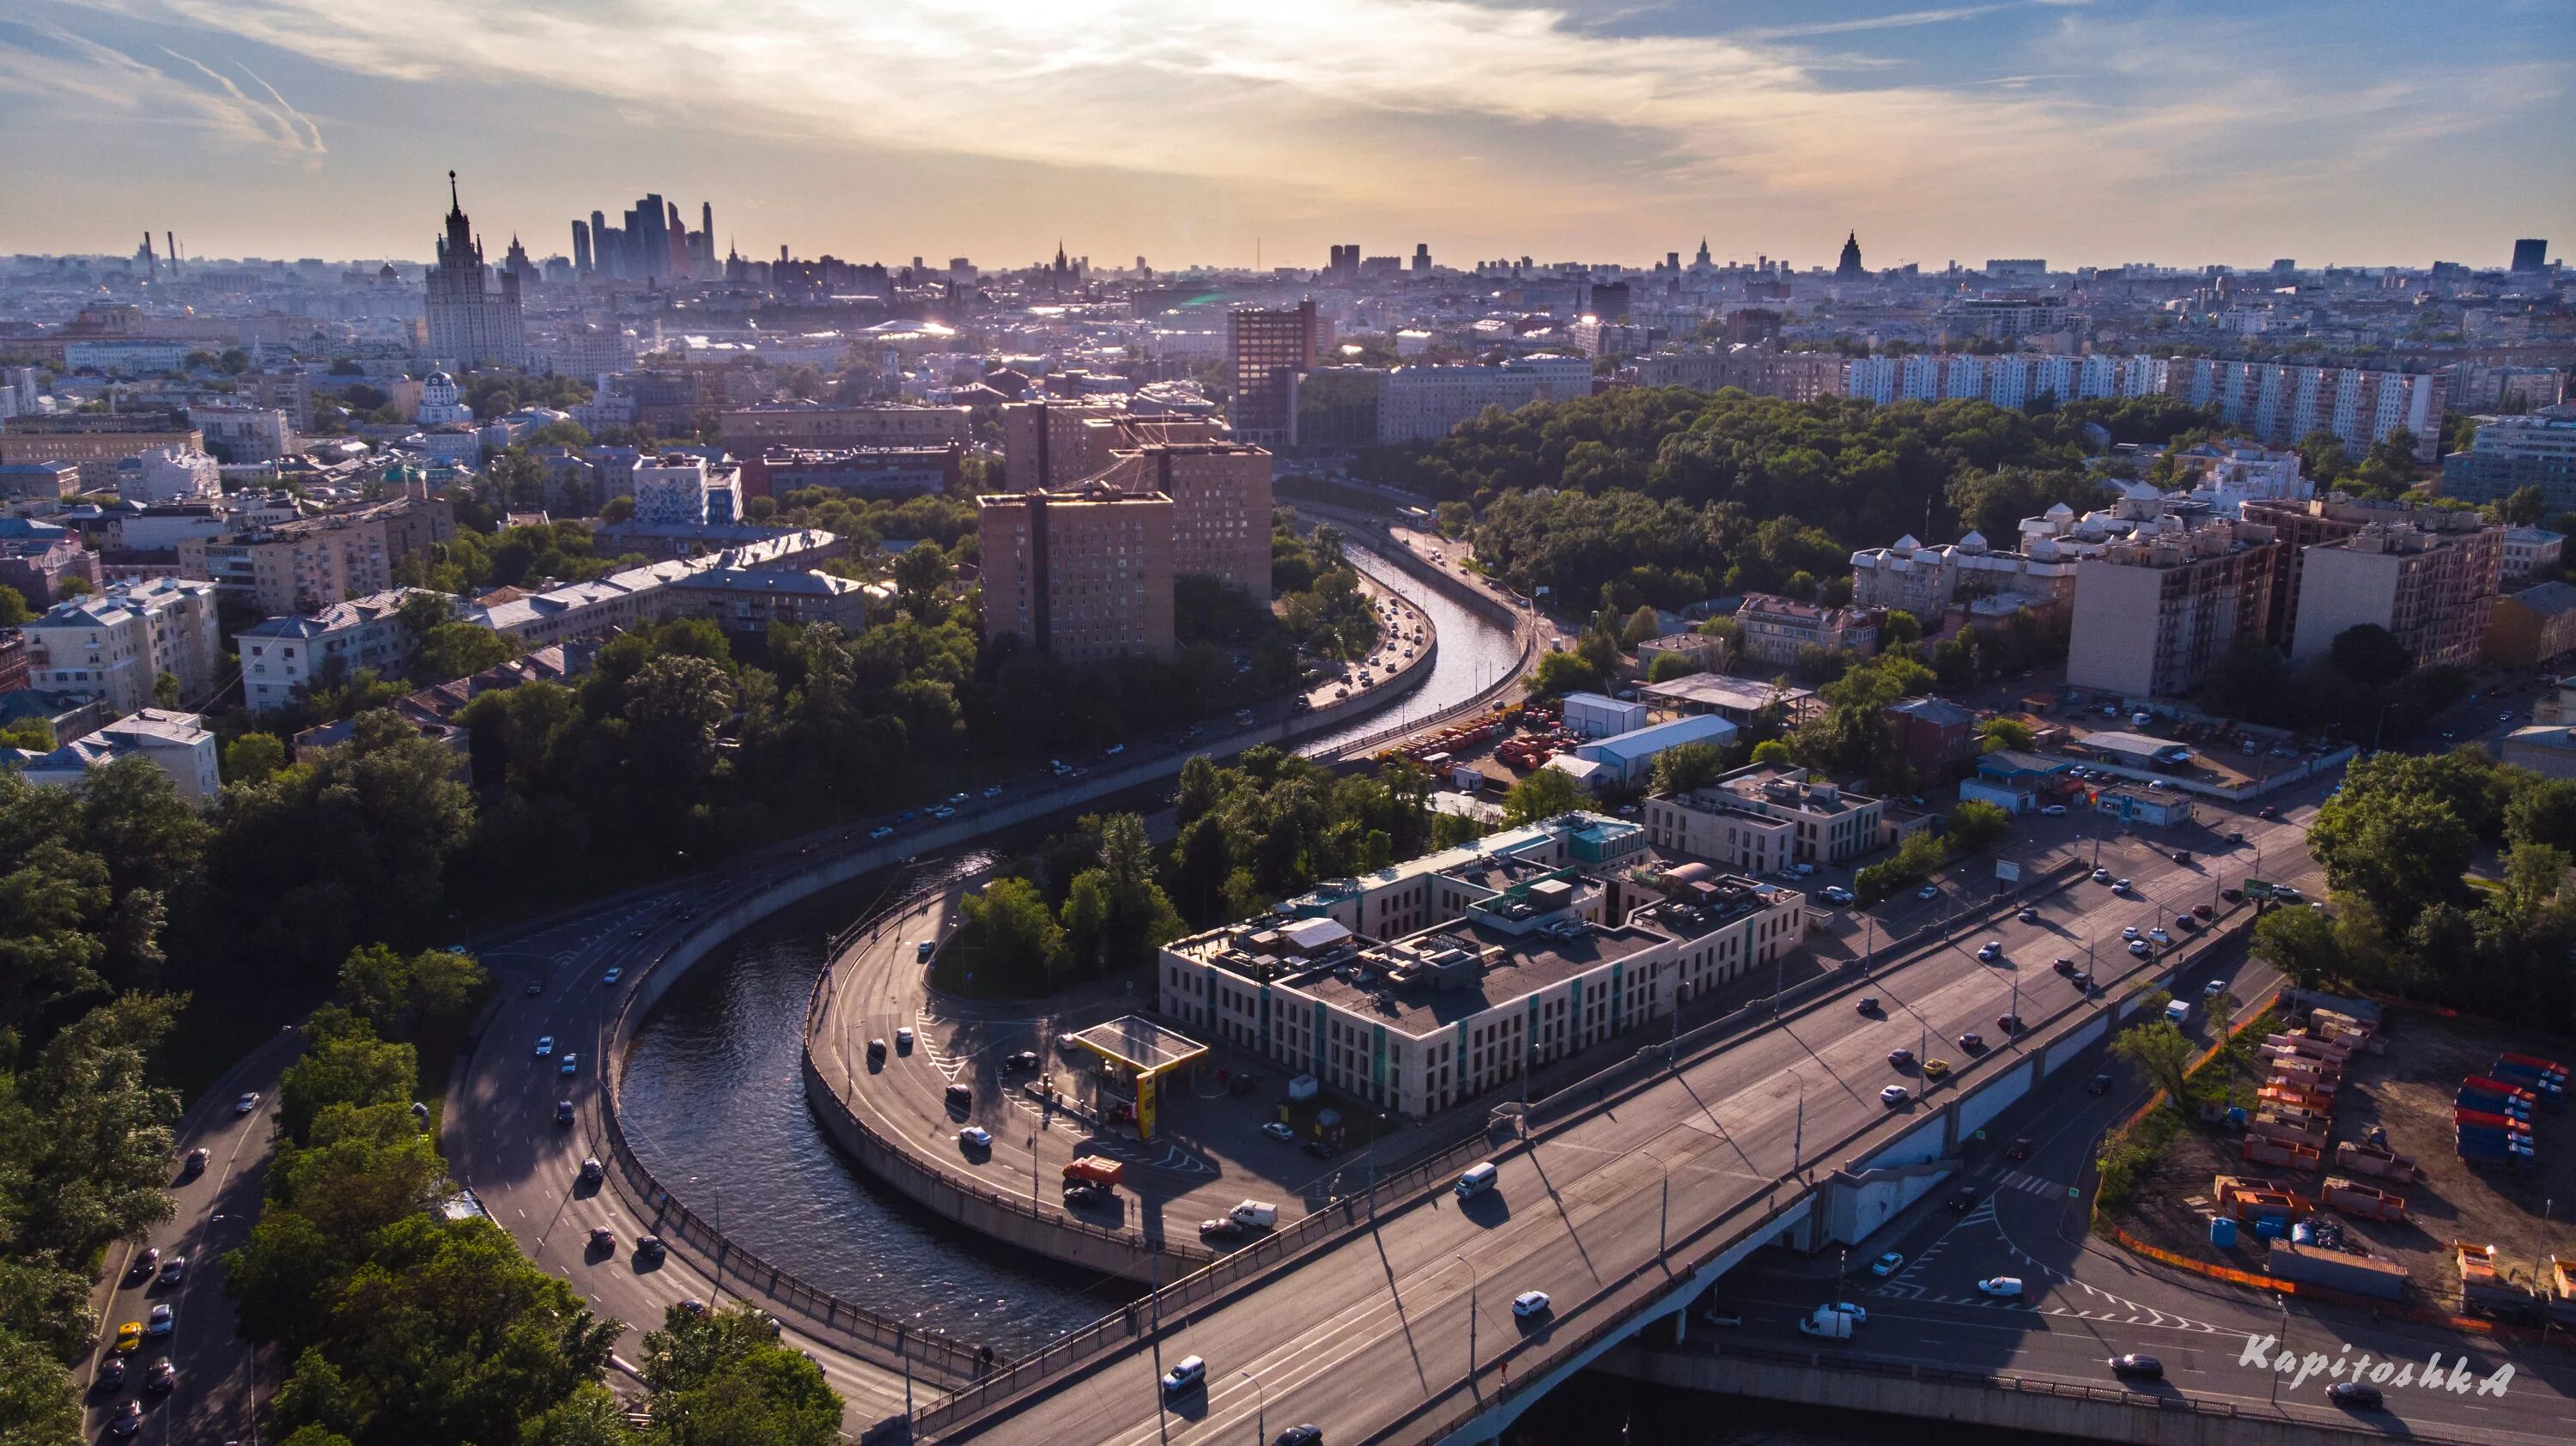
point(2007, 871)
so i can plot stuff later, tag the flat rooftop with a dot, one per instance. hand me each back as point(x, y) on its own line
point(1140, 1044)
point(1722, 692)
point(1515, 966)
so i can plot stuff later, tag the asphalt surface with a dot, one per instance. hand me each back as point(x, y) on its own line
point(1359, 1336)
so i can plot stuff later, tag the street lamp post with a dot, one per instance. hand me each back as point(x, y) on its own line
point(1472, 1283)
point(1261, 1408)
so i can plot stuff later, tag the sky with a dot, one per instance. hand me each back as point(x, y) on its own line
point(1225, 132)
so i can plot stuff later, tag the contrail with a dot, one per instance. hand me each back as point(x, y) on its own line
point(312, 131)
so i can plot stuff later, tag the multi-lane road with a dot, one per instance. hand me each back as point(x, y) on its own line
point(1373, 1332)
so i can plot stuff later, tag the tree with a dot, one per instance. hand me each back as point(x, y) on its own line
point(1559, 673)
point(1667, 665)
point(395, 993)
point(1686, 766)
point(1772, 753)
point(2401, 850)
point(2369, 655)
point(1643, 626)
point(2524, 508)
point(2161, 1053)
point(2300, 943)
point(1007, 932)
point(1976, 826)
point(1546, 793)
point(165, 689)
point(253, 757)
point(73, 585)
point(720, 1377)
point(2002, 734)
point(921, 573)
point(352, 1067)
point(460, 650)
point(39, 1404)
point(13, 608)
point(2543, 812)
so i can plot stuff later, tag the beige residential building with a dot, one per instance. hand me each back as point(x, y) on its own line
point(2434, 590)
point(1775, 629)
point(1220, 507)
point(102, 437)
point(1763, 819)
point(2154, 612)
point(2305, 524)
point(1082, 575)
point(314, 562)
point(116, 644)
point(754, 430)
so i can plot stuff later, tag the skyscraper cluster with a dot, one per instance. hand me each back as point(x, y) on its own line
point(654, 244)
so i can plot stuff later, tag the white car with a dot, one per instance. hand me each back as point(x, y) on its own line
point(1836, 894)
point(1529, 1303)
point(903, 1039)
point(975, 1137)
point(2054, 810)
point(1990, 951)
point(2160, 936)
point(882, 831)
point(1887, 1265)
point(2131, 932)
point(2003, 1287)
point(2139, 948)
point(2101, 876)
point(2119, 886)
point(1894, 1095)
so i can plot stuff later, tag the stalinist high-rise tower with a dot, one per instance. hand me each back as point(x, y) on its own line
point(470, 323)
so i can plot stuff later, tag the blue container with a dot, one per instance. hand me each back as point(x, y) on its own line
point(2222, 1232)
point(2236, 1116)
point(2267, 1228)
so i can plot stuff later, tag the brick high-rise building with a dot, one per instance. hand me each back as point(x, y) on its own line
point(2153, 613)
point(2434, 590)
point(2303, 524)
point(1221, 498)
point(1082, 575)
point(1268, 350)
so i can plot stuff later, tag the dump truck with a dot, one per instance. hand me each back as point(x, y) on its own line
point(2484, 1288)
point(1092, 1170)
point(2376, 1161)
point(2250, 1201)
point(2282, 1153)
point(2313, 1071)
point(2335, 1270)
point(2295, 1096)
point(2362, 1202)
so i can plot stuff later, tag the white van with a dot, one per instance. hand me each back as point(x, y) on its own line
point(2177, 1012)
point(1478, 1179)
point(1256, 1212)
point(1188, 1375)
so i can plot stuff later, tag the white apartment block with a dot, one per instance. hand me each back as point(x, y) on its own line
point(285, 656)
point(1426, 403)
point(2007, 381)
point(1763, 819)
point(1493, 960)
point(171, 474)
point(2528, 550)
point(624, 599)
point(117, 643)
point(179, 744)
point(672, 490)
point(2281, 404)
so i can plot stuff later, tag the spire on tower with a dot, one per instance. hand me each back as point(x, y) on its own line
point(455, 207)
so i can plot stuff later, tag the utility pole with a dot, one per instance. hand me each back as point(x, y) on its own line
point(1472, 1283)
point(1664, 1211)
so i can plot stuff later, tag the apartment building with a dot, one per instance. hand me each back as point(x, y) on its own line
point(1268, 350)
point(284, 658)
point(1522, 953)
point(749, 431)
point(2511, 453)
point(2533, 626)
point(2281, 404)
point(746, 601)
point(170, 474)
point(2434, 590)
point(679, 490)
point(2014, 380)
point(1085, 575)
point(106, 438)
point(179, 744)
point(1221, 500)
point(242, 436)
point(1762, 819)
point(1427, 403)
point(2155, 610)
point(860, 471)
point(1797, 376)
point(2303, 526)
point(1911, 577)
point(1043, 442)
point(312, 562)
point(639, 594)
point(2527, 550)
point(116, 643)
point(36, 566)
point(1775, 629)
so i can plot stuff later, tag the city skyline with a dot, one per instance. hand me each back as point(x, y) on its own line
point(2089, 133)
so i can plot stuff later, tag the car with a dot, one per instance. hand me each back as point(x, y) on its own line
point(2028, 916)
point(2233, 896)
point(1021, 1062)
point(144, 1264)
point(195, 1164)
point(1973, 1042)
point(2185, 921)
point(602, 1238)
point(1866, 1004)
point(1084, 1192)
point(2504, 717)
point(956, 798)
point(1320, 1149)
point(2213, 989)
point(612, 976)
point(1280, 1132)
point(903, 1038)
point(2144, 1367)
point(2019, 1149)
point(592, 1172)
point(906, 816)
point(111, 1375)
point(1901, 1058)
point(1936, 1068)
point(1529, 1303)
point(2002, 1287)
point(2236, 835)
point(1113, 750)
point(2120, 886)
point(162, 1378)
point(2129, 932)
point(1887, 1265)
point(2098, 1085)
point(1720, 1318)
point(2356, 1395)
point(993, 790)
point(563, 1112)
point(1221, 1229)
point(1928, 891)
point(1301, 1435)
point(1990, 951)
point(174, 1270)
point(1188, 1374)
point(129, 1336)
point(1835, 894)
point(127, 1421)
point(571, 1064)
point(649, 1247)
point(545, 1045)
point(535, 989)
point(2140, 948)
point(248, 1102)
point(2268, 811)
point(876, 1051)
point(1962, 1198)
point(162, 1321)
point(2010, 1024)
point(2052, 810)
point(2062, 965)
point(975, 1137)
point(881, 831)
point(2160, 936)
point(2081, 979)
point(692, 1305)
point(942, 811)
point(2101, 876)
point(1894, 1095)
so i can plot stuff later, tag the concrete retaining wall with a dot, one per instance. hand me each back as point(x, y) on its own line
point(2045, 1408)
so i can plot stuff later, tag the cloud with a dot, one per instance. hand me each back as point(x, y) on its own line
point(74, 75)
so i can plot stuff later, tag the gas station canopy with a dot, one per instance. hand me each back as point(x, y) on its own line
point(1139, 1046)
